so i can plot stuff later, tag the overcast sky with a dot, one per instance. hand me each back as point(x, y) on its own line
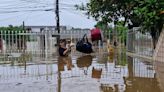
point(16, 11)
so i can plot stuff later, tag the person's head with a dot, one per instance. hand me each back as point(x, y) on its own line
point(69, 41)
point(62, 42)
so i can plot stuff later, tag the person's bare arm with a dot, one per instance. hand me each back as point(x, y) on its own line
point(67, 50)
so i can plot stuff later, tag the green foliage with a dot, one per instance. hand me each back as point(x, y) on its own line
point(121, 57)
point(107, 31)
point(12, 28)
point(11, 32)
point(136, 13)
point(122, 32)
point(143, 13)
point(108, 10)
point(149, 12)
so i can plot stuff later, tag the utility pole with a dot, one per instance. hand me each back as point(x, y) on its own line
point(58, 38)
point(23, 26)
point(57, 20)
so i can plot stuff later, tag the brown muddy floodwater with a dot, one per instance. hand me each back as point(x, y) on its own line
point(80, 73)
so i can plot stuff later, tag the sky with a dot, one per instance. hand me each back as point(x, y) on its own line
point(32, 12)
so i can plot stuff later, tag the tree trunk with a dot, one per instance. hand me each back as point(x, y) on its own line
point(155, 33)
point(154, 42)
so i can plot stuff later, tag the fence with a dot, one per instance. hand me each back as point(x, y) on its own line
point(139, 43)
point(30, 45)
point(18, 48)
point(21, 73)
point(43, 43)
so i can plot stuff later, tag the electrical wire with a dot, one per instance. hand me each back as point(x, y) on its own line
point(41, 8)
point(28, 6)
point(21, 15)
point(11, 17)
point(35, 16)
point(22, 5)
point(74, 11)
point(32, 1)
point(15, 11)
point(33, 7)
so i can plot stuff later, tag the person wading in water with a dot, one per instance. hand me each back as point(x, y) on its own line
point(63, 50)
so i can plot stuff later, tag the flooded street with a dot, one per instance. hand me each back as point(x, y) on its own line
point(80, 73)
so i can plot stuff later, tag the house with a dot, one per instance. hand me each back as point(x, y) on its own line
point(40, 28)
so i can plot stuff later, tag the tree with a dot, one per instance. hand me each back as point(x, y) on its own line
point(122, 32)
point(105, 29)
point(152, 21)
point(135, 13)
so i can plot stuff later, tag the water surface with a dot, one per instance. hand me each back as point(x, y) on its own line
point(76, 74)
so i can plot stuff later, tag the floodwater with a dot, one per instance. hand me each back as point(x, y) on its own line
point(80, 73)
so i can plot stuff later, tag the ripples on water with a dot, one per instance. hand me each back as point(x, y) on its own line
point(84, 73)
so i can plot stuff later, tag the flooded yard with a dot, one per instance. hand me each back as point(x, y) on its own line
point(79, 73)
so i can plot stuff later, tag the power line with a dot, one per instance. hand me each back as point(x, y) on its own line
point(22, 5)
point(75, 13)
point(25, 7)
point(45, 7)
point(26, 13)
point(12, 17)
point(15, 11)
point(9, 4)
point(21, 15)
point(8, 9)
point(12, 4)
point(36, 15)
point(41, 8)
point(34, 7)
point(32, 1)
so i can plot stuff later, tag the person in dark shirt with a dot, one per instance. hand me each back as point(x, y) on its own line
point(63, 51)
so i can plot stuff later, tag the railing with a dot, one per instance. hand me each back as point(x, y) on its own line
point(36, 46)
point(139, 43)
point(17, 43)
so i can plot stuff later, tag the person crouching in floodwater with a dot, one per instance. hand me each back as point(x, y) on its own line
point(63, 50)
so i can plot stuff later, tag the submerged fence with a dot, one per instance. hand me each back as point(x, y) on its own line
point(17, 48)
point(43, 43)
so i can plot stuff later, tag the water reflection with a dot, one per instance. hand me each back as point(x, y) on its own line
point(137, 81)
point(64, 61)
point(84, 62)
point(96, 73)
point(133, 76)
point(81, 73)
